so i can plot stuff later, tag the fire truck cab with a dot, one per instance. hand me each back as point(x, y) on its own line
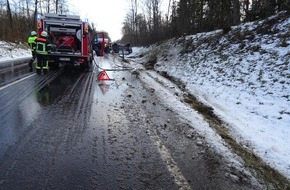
point(70, 38)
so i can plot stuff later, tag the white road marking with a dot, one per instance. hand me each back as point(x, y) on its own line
point(15, 82)
point(172, 167)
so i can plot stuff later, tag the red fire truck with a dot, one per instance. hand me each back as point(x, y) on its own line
point(70, 37)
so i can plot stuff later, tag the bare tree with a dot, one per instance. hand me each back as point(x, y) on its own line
point(134, 23)
point(168, 11)
point(56, 6)
point(48, 6)
point(19, 17)
point(156, 19)
point(236, 12)
point(9, 13)
point(10, 22)
point(35, 11)
point(27, 9)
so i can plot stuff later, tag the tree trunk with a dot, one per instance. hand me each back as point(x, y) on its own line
point(9, 29)
point(27, 9)
point(48, 6)
point(56, 6)
point(168, 10)
point(35, 11)
point(236, 12)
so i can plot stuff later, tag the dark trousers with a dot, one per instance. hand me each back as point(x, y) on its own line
point(30, 64)
point(42, 62)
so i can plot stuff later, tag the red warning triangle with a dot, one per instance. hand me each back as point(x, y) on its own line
point(103, 76)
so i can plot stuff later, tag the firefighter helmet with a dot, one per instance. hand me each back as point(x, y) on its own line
point(44, 34)
point(33, 33)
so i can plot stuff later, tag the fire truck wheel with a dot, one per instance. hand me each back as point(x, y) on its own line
point(86, 66)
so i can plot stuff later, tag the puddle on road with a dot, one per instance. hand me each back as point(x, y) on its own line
point(109, 95)
point(57, 87)
point(110, 91)
point(112, 88)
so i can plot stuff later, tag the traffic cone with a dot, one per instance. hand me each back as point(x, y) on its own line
point(103, 76)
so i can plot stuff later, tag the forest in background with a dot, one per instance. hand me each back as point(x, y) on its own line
point(150, 21)
point(18, 17)
point(147, 21)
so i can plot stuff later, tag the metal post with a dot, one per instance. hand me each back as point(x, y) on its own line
point(12, 64)
point(123, 53)
point(12, 67)
point(103, 45)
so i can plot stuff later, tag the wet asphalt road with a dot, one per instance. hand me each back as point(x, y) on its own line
point(66, 130)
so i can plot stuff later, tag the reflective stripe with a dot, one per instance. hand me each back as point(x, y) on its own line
point(41, 39)
point(46, 65)
point(41, 46)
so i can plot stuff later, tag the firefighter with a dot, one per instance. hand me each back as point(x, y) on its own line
point(32, 45)
point(43, 48)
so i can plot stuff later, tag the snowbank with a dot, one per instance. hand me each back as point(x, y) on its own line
point(244, 75)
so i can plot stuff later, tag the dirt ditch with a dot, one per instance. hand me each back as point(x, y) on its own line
point(272, 177)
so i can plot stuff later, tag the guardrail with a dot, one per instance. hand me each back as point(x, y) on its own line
point(11, 63)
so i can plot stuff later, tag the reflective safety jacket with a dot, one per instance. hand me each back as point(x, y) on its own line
point(32, 43)
point(43, 46)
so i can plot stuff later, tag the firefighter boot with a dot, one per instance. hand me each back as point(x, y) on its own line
point(45, 68)
point(38, 68)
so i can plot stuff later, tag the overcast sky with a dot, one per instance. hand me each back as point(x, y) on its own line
point(107, 15)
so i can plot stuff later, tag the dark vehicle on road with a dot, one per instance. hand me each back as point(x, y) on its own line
point(128, 48)
point(121, 47)
point(101, 46)
point(115, 48)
